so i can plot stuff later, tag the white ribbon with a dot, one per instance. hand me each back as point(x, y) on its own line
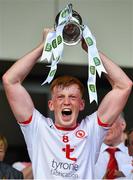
point(47, 50)
point(54, 44)
point(94, 63)
point(53, 49)
point(65, 15)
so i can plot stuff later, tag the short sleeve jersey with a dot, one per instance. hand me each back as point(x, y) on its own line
point(60, 154)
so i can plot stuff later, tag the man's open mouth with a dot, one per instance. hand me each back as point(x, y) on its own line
point(66, 112)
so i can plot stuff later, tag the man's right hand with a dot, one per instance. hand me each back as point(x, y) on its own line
point(45, 33)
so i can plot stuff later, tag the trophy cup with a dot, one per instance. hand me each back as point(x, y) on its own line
point(72, 32)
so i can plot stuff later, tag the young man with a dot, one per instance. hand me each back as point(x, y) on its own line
point(114, 139)
point(64, 149)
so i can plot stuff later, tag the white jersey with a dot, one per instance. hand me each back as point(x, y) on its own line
point(60, 154)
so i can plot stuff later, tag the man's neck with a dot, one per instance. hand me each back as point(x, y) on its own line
point(113, 143)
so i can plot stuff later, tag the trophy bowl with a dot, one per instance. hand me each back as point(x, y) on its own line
point(72, 32)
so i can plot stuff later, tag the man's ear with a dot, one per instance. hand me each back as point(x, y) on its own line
point(50, 105)
point(123, 124)
point(82, 105)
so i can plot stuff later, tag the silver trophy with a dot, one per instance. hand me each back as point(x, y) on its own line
point(72, 32)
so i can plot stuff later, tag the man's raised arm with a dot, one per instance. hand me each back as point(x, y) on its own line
point(115, 100)
point(18, 98)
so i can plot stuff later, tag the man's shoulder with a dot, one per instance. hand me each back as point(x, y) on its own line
point(93, 115)
point(89, 119)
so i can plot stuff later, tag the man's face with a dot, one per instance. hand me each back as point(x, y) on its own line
point(66, 103)
point(130, 145)
point(2, 151)
point(114, 133)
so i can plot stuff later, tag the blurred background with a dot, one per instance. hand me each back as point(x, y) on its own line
point(21, 27)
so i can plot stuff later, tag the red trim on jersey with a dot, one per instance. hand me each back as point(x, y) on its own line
point(65, 128)
point(102, 124)
point(27, 121)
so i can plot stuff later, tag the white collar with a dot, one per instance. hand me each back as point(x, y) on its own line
point(121, 147)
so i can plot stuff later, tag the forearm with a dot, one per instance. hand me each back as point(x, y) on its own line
point(20, 69)
point(115, 75)
point(115, 100)
point(18, 97)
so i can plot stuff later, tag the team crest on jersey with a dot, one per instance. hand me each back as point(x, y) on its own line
point(80, 133)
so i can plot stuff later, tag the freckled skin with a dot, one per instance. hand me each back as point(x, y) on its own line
point(66, 98)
